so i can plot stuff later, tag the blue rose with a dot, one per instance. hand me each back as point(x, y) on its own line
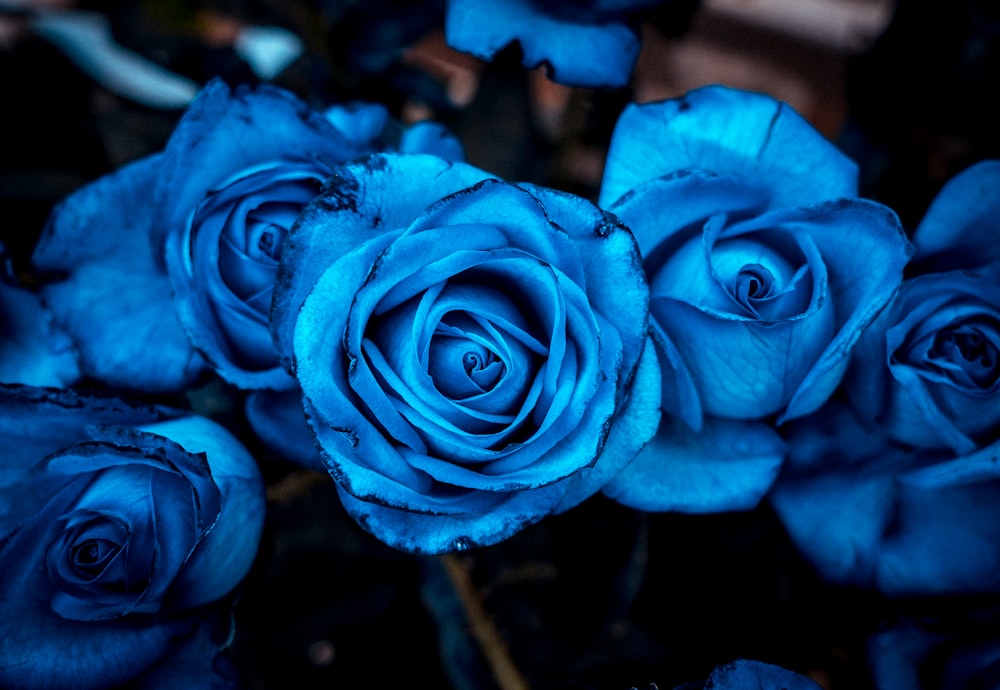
point(764, 270)
point(900, 490)
point(589, 43)
point(469, 351)
point(169, 262)
point(746, 674)
point(117, 524)
point(928, 370)
point(32, 350)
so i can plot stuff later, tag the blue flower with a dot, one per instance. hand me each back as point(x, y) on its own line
point(900, 489)
point(118, 523)
point(764, 269)
point(470, 351)
point(169, 263)
point(583, 42)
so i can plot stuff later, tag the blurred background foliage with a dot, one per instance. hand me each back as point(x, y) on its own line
point(600, 597)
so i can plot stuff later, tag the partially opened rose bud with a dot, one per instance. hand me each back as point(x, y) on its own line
point(118, 524)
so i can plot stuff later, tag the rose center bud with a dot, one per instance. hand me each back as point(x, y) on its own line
point(766, 277)
point(968, 353)
point(462, 367)
point(91, 556)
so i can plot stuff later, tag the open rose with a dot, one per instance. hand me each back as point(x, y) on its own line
point(470, 351)
point(168, 264)
point(764, 270)
point(900, 491)
point(118, 523)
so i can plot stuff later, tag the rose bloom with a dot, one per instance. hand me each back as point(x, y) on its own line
point(764, 270)
point(165, 267)
point(470, 351)
point(119, 524)
point(898, 488)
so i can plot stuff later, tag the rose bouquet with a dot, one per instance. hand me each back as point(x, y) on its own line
point(299, 342)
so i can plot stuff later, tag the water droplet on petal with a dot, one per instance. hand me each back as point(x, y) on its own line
point(462, 544)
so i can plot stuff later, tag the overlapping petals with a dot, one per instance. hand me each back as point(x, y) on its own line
point(764, 270)
point(463, 368)
point(900, 493)
point(118, 522)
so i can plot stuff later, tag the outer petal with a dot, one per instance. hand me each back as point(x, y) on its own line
point(207, 146)
point(35, 422)
point(226, 553)
point(959, 229)
point(115, 303)
point(867, 514)
point(725, 130)
point(32, 350)
point(728, 465)
point(848, 229)
point(361, 201)
point(580, 51)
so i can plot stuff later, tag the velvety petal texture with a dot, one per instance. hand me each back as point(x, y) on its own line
point(33, 350)
point(118, 521)
point(928, 370)
point(465, 347)
point(104, 288)
point(591, 43)
point(167, 266)
point(870, 514)
point(764, 270)
point(901, 492)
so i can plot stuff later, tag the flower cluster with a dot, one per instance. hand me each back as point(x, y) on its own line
point(465, 356)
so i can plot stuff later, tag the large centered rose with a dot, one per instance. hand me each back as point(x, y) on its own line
point(901, 490)
point(168, 263)
point(117, 524)
point(764, 270)
point(469, 350)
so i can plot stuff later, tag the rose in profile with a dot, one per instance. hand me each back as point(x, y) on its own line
point(470, 351)
point(167, 265)
point(900, 489)
point(764, 270)
point(119, 524)
point(590, 43)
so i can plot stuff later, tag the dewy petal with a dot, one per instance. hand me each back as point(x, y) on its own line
point(594, 53)
point(115, 302)
point(959, 228)
point(728, 465)
point(727, 131)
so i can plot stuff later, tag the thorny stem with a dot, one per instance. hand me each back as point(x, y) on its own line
point(482, 627)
